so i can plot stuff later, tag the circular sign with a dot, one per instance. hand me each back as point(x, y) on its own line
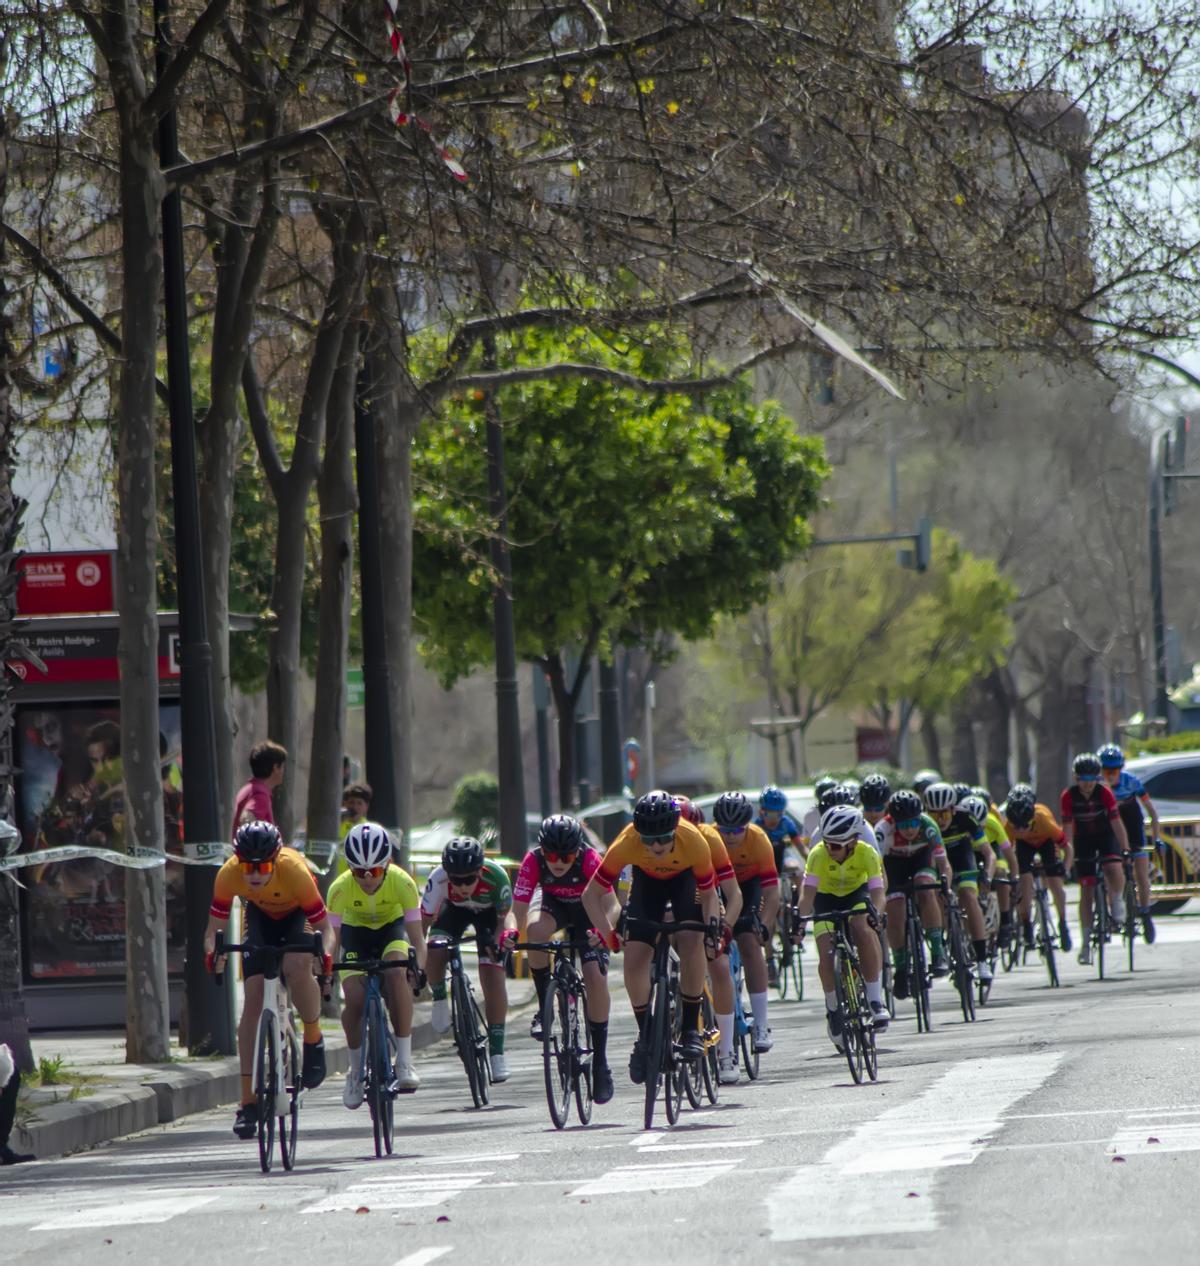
point(88, 573)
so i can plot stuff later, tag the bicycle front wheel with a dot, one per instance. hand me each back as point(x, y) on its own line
point(709, 1065)
point(483, 1062)
point(379, 1077)
point(848, 1007)
point(1046, 939)
point(556, 1053)
point(1131, 924)
point(1100, 929)
point(918, 973)
point(581, 1056)
point(289, 1124)
point(655, 1038)
point(266, 1081)
point(462, 1023)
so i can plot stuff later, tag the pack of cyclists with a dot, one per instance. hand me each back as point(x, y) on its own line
point(862, 850)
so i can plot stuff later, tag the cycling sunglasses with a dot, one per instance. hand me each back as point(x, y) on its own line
point(1088, 778)
point(463, 881)
point(659, 839)
point(908, 824)
point(730, 830)
point(550, 855)
point(367, 872)
point(257, 868)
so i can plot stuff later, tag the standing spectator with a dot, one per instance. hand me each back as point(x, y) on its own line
point(10, 1085)
point(356, 808)
point(253, 803)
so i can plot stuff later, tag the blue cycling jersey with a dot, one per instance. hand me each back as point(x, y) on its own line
point(1128, 787)
point(786, 830)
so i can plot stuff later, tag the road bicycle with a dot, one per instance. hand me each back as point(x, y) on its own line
point(277, 1060)
point(1102, 920)
point(920, 981)
point(566, 1054)
point(665, 1065)
point(375, 1071)
point(958, 946)
point(745, 1049)
point(1044, 930)
point(710, 1066)
point(1008, 951)
point(466, 1020)
point(785, 953)
point(853, 1008)
point(1131, 928)
point(990, 905)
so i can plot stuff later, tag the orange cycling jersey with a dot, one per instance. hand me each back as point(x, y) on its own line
point(720, 855)
point(753, 857)
point(689, 851)
point(1043, 829)
point(290, 887)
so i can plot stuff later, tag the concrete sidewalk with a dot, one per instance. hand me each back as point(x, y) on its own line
point(101, 1097)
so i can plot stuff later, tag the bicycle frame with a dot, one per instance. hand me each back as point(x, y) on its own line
point(467, 1022)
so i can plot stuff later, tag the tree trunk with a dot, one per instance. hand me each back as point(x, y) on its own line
point(564, 710)
point(996, 714)
point(14, 1026)
point(335, 489)
point(964, 756)
point(147, 1021)
point(932, 741)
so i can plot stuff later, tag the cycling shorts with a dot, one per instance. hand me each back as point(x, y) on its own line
point(1135, 826)
point(1091, 853)
point(751, 901)
point(571, 917)
point(856, 902)
point(649, 898)
point(261, 929)
point(453, 921)
point(1050, 853)
point(964, 864)
point(364, 944)
point(901, 871)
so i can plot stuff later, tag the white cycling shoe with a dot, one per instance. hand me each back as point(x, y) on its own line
point(440, 1019)
point(763, 1041)
point(406, 1078)
point(499, 1067)
point(352, 1092)
point(728, 1072)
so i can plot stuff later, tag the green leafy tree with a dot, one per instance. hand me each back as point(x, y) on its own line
point(635, 515)
point(476, 805)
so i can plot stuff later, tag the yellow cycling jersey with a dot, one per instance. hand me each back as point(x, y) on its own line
point(395, 898)
point(861, 866)
point(993, 832)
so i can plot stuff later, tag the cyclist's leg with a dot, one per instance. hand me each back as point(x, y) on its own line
point(966, 887)
point(753, 962)
point(492, 980)
point(1085, 867)
point(541, 928)
point(823, 931)
point(1114, 876)
point(647, 900)
point(450, 924)
point(252, 1001)
point(693, 964)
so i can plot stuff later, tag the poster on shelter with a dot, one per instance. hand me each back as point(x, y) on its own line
point(71, 791)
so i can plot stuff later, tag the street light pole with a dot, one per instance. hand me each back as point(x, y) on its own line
point(1161, 702)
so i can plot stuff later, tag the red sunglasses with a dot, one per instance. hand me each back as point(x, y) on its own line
point(552, 856)
point(367, 872)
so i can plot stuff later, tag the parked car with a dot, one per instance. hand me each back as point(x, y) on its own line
point(1172, 781)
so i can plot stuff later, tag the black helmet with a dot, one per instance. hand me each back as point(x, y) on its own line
point(1019, 810)
point(257, 841)
point(962, 790)
point(462, 856)
point(823, 785)
point(561, 833)
point(874, 792)
point(922, 778)
point(656, 813)
point(837, 794)
point(1111, 756)
point(1022, 791)
point(983, 793)
point(904, 806)
point(732, 810)
point(1086, 765)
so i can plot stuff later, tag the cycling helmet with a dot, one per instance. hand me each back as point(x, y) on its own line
point(257, 841)
point(1022, 791)
point(732, 810)
point(841, 824)
point(922, 779)
point(974, 808)
point(853, 786)
point(984, 794)
point(1019, 811)
point(692, 812)
point(367, 844)
point(772, 800)
point(656, 813)
point(940, 796)
point(837, 794)
point(961, 791)
point(875, 792)
point(462, 856)
point(561, 833)
point(823, 785)
point(1111, 756)
point(904, 806)
point(1086, 765)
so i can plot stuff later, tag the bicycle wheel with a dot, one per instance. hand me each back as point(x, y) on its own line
point(848, 1007)
point(1045, 939)
point(289, 1124)
point(746, 1042)
point(655, 1038)
point(709, 1065)
point(379, 1078)
point(889, 996)
point(581, 1057)
point(797, 972)
point(1100, 923)
point(918, 972)
point(963, 981)
point(866, 1025)
point(461, 1023)
point(556, 1052)
point(266, 1084)
point(1131, 919)
point(483, 1063)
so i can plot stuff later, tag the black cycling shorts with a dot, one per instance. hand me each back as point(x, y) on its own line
point(365, 944)
point(571, 917)
point(902, 871)
point(964, 863)
point(649, 898)
point(262, 929)
point(1050, 853)
point(1091, 853)
point(452, 921)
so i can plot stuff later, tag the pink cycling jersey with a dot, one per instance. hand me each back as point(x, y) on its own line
point(534, 873)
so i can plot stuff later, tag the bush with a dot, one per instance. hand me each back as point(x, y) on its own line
point(1184, 741)
point(476, 805)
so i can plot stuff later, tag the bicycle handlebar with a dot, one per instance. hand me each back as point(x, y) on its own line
point(222, 948)
point(552, 947)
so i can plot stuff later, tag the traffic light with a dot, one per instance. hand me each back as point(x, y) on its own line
point(924, 541)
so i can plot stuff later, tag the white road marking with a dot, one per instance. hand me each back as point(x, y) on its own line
point(407, 1191)
point(1133, 1139)
point(423, 1256)
point(901, 1151)
point(126, 1213)
point(643, 1178)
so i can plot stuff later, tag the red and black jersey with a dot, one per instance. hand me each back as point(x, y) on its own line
point(1093, 815)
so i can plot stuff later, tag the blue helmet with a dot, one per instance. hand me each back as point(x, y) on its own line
point(772, 799)
point(1111, 756)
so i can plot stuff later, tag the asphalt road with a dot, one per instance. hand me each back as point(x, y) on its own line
point(1063, 1123)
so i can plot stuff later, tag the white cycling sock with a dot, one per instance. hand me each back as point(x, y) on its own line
point(1118, 907)
point(874, 990)
point(403, 1047)
point(725, 1024)
point(758, 1004)
point(355, 1053)
point(831, 1002)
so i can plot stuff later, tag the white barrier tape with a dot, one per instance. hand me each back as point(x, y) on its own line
point(319, 855)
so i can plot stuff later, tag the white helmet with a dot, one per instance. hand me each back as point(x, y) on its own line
point(975, 808)
point(940, 796)
point(367, 844)
point(841, 824)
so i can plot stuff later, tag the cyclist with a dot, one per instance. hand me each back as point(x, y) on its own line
point(965, 846)
point(781, 828)
point(913, 852)
point(753, 862)
point(719, 973)
point(874, 792)
point(376, 909)
point(279, 895)
point(924, 778)
point(1094, 828)
point(1133, 800)
point(845, 795)
point(559, 867)
point(1036, 833)
point(812, 819)
point(671, 865)
point(845, 873)
point(467, 890)
point(1006, 862)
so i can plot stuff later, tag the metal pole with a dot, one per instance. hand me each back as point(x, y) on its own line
point(541, 712)
point(508, 717)
point(612, 778)
point(377, 719)
point(210, 1023)
point(893, 479)
point(651, 773)
point(1161, 702)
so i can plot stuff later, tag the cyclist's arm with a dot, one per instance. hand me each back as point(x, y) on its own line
point(989, 858)
point(1118, 829)
point(1155, 825)
point(710, 907)
point(770, 903)
point(808, 897)
point(520, 914)
point(731, 891)
point(413, 924)
point(214, 926)
point(602, 906)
